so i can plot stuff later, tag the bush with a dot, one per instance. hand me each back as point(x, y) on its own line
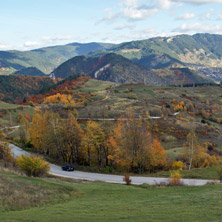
point(175, 178)
point(33, 165)
point(127, 179)
point(177, 165)
point(6, 155)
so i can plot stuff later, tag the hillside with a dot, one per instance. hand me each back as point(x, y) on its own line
point(115, 68)
point(15, 88)
point(45, 59)
point(30, 71)
point(110, 67)
point(159, 52)
point(200, 103)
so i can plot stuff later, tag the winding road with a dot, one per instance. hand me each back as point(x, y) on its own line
point(137, 180)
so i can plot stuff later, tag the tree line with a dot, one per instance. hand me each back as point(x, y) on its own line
point(128, 145)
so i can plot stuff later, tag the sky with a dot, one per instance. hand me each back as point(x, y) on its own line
point(30, 24)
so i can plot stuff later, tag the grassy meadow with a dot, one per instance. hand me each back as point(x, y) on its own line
point(9, 112)
point(71, 200)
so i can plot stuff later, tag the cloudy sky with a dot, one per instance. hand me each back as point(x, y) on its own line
point(29, 24)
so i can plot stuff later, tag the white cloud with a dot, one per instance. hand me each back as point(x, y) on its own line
point(54, 39)
point(198, 2)
point(30, 44)
point(164, 4)
point(136, 9)
point(219, 16)
point(199, 27)
point(125, 26)
point(187, 16)
point(5, 46)
point(209, 15)
point(133, 10)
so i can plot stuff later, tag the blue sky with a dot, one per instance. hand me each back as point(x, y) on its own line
point(29, 24)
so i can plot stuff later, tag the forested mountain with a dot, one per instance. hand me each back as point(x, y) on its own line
point(30, 71)
point(45, 59)
point(116, 68)
point(15, 88)
point(196, 50)
point(110, 67)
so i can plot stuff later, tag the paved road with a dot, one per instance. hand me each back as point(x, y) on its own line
point(57, 171)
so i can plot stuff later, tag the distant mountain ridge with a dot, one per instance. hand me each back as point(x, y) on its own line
point(116, 68)
point(110, 67)
point(199, 53)
point(197, 50)
point(45, 59)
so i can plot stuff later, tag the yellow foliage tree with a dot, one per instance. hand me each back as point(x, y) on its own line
point(94, 143)
point(131, 142)
point(37, 130)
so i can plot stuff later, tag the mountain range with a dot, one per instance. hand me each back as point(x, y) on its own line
point(116, 68)
point(203, 50)
point(45, 59)
point(197, 59)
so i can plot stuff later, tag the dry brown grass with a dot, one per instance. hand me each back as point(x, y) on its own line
point(20, 192)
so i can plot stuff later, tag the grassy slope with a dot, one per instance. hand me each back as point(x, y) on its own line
point(20, 192)
point(141, 98)
point(14, 111)
point(112, 202)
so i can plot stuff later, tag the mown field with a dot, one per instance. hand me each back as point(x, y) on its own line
point(82, 201)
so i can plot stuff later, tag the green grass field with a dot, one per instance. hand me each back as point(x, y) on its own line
point(97, 201)
point(202, 173)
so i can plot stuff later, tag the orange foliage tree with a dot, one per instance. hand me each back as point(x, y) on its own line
point(131, 143)
point(157, 156)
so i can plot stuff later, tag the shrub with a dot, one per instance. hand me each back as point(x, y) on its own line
point(131, 96)
point(175, 178)
point(177, 165)
point(33, 165)
point(127, 179)
point(31, 103)
point(6, 155)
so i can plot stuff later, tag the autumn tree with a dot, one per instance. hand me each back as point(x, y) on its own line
point(95, 144)
point(57, 137)
point(73, 135)
point(192, 147)
point(37, 130)
point(24, 129)
point(131, 142)
point(157, 156)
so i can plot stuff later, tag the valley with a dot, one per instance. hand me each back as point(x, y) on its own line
point(145, 113)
